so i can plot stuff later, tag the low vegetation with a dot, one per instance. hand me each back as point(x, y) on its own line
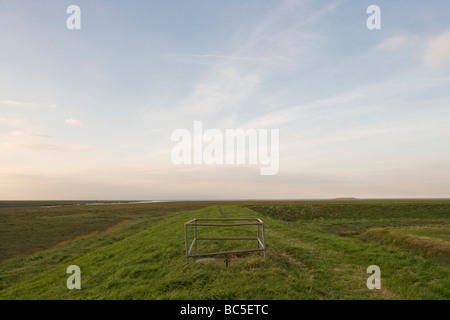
point(315, 250)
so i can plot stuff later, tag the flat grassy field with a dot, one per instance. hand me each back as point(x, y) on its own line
point(315, 250)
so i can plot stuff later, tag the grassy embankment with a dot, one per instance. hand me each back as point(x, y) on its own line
point(316, 250)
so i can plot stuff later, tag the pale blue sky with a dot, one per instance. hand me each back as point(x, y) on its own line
point(88, 114)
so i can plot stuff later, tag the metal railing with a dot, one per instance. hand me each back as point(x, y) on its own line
point(260, 235)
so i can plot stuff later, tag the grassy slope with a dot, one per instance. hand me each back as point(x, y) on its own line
point(426, 241)
point(25, 230)
point(346, 218)
point(304, 262)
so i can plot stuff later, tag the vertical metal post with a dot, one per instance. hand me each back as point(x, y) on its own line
point(186, 240)
point(264, 240)
point(257, 236)
point(195, 235)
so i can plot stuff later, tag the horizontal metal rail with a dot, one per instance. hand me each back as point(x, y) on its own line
point(225, 252)
point(193, 221)
point(225, 224)
point(226, 219)
point(227, 238)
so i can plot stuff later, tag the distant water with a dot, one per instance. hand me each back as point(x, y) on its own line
point(100, 203)
point(78, 204)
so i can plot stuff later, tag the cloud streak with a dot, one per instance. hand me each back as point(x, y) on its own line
point(276, 42)
point(438, 52)
point(14, 122)
point(30, 134)
point(73, 122)
point(28, 104)
point(397, 42)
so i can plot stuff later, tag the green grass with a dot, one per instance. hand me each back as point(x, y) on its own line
point(25, 230)
point(309, 256)
point(425, 241)
point(440, 232)
point(348, 218)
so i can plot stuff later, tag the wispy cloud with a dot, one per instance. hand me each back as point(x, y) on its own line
point(22, 128)
point(438, 51)
point(228, 88)
point(211, 56)
point(73, 122)
point(276, 41)
point(397, 42)
point(46, 146)
point(14, 122)
point(30, 134)
point(28, 104)
point(35, 146)
point(327, 107)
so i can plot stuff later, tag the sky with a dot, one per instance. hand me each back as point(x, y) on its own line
point(89, 113)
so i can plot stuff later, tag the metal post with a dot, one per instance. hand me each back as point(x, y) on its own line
point(257, 236)
point(195, 237)
point(264, 241)
point(186, 240)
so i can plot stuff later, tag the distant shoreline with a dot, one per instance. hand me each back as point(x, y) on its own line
point(52, 204)
point(62, 203)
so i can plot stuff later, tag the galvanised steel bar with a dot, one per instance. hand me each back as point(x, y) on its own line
point(225, 219)
point(224, 252)
point(259, 242)
point(264, 241)
point(257, 236)
point(186, 240)
point(190, 249)
point(195, 237)
point(225, 224)
point(227, 238)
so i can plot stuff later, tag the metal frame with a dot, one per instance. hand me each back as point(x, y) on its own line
point(261, 242)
